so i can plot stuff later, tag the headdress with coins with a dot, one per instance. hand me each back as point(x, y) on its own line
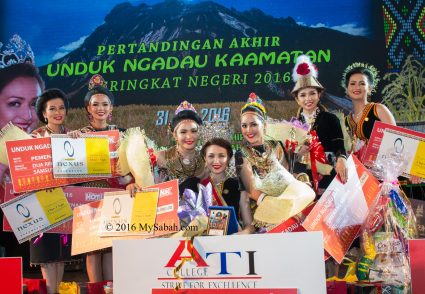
point(98, 85)
point(185, 111)
point(359, 67)
point(305, 74)
point(254, 104)
point(15, 52)
point(215, 129)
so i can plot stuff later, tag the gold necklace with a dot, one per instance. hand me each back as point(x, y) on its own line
point(178, 167)
point(260, 160)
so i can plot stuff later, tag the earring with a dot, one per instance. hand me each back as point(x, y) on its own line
point(45, 120)
point(90, 117)
point(110, 116)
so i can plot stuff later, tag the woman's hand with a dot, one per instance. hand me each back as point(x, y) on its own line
point(75, 134)
point(249, 229)
point(133, 188)
point(341, 169)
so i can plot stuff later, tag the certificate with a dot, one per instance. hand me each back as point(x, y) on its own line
point(87, 156)
point(34, 213)
point(124, 215)
point(343, 208)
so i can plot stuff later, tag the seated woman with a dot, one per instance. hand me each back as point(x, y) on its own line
point(217, 153)
point(307, 93)
point(260, 165)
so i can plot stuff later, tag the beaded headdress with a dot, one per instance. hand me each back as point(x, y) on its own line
point(305, 74)
point(254, 102)
point(97, 81)
point(185, 106)
point(16, 51)
point(370, 70)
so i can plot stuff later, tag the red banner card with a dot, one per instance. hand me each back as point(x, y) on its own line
point(343, 208)
point(11, 275)
point(417, 265)
point(30, 163)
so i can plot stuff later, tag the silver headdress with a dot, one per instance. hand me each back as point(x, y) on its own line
point(215, 129)
point(16, 51)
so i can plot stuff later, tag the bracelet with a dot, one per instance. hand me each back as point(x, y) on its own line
point(260, 199)
point(342, 156)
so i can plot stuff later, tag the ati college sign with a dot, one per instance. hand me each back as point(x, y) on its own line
point(278, 261)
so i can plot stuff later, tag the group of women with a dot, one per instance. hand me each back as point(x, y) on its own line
point(262, 178)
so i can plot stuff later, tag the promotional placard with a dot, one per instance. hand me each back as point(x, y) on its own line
point(399, 140)
point(34, 213)
point(76, 196)
point(343, 208)
point(124, 215)
point(87, 156)
point(237, 262)
point(30, 163)
point(86, 221)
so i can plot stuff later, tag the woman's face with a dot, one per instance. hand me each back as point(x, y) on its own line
point(308, 98)
point(186, 134)
point(253, 128)
point(358, 87)
point(99, 107)
point(55, 111)
point(17, 103)
point(216, 158)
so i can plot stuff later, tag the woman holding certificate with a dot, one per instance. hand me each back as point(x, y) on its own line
point(217, 153)
point(326, 137)
point(359, 81)
point(51, 251)
point(276, 195)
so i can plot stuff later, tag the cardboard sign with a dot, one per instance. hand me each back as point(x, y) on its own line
point(34, 213)
point(76, 196)
point(30, 163)
point(11, 275)
point(343, 208)
point(226, 291)
point(237, 262)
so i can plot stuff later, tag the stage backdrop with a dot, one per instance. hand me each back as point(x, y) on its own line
point(155, 52)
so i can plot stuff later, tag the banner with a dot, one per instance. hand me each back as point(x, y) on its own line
point(86, 221)
point(76, 196)
point(34, 213)
point(221, 262)
point(342, 209)
point(30, 163)
point(87, 156)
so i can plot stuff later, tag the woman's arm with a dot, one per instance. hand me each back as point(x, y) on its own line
point(248, 180)
point(246, 214)
point(385, 114)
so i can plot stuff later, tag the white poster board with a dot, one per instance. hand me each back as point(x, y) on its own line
point(258, 261)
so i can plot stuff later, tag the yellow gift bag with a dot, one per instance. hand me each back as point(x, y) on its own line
point(69, 288)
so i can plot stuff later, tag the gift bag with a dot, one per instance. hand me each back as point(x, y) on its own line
point(69, 288)
point(96, 288)
point(35, 286)
point(336, 287)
